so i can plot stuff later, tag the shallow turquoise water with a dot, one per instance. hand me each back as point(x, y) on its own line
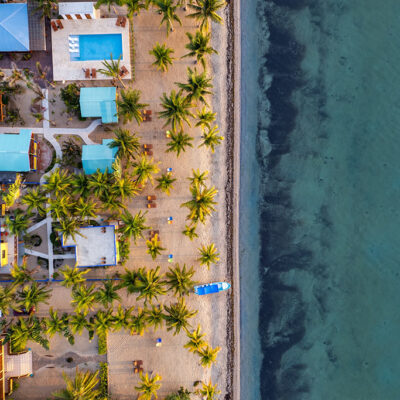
point(329, 323)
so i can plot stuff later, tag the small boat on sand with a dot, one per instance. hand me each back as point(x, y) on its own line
point(209, 288)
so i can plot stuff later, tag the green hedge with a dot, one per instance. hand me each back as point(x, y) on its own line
point(104, 380)
point(102, 344)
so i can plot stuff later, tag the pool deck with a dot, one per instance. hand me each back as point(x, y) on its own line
point(66, 70)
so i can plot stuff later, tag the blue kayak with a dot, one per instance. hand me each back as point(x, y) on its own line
point(214, 287)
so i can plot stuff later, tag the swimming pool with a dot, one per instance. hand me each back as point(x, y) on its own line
point(95, 47)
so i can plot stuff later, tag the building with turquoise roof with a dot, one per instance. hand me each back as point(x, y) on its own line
point(98, 157)
point(99, 102)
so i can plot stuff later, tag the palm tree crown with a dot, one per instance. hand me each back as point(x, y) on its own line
point(19, 222)
point(168, 10)
point(208, 355)
point(133, 7)
point(211, 138)
point(177, 316)
point(165, 183)
point(205, 118)
point(206, 11)
point(178, 142)
point(31, 296)
point(144, 169)
point(208, 391)
point(112, 69)
point(180, 280)
point(35, 199)
point(149, 284)
point(176, 109)
point(162, 56)
point(148, 386)
point(129, 106)
point(198, 47)
point(133, 225)
point(197, 86)
point(196, 340)
point(73, 276)
point(208, 255)
point(128, 144)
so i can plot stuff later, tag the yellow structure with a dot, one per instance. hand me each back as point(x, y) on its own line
point(4, 254)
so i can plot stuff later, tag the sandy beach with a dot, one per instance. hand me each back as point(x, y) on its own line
point(218, 315)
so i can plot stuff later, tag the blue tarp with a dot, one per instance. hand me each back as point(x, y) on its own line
point(99, 102)
point(98, 156)
point(14, 151)
point(14, 29)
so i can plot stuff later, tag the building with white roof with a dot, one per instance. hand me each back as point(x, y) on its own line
point(78, 10)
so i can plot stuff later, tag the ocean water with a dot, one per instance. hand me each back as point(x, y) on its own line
point(320, 195)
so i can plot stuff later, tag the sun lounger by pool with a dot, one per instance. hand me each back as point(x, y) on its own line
point(94, 73)
point(148, 152)
point(152, 197)
point(123, 72)
point(123, 22)
point(150, 204)
point(87, 73)
point(118, 23)
point(59, 24)
point(148, 146)
point(54, 26)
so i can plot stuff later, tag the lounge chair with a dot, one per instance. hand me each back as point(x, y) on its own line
point(87, 73)
point(118, 23)
point(54, 26)
point(123, 22)
point(94, 73)
point(148, 152)
point(148, 146)
point(151, 205)
point(152, 197)
point(123, 72)
point(59, 24)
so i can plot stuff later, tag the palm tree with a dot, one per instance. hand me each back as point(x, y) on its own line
point(108, 294)
point(134, 7)
point(69, 227)
point(178, 142)
point(177, 316)
point(197, 86)
point(205, 118)
point(182, 393)
point(198, 47)
point(168, 9)
point(7, 299)
point(35, 199)
point(29, 297)
point(155, 316)
point(60, 207)
point(124, 188)
point(162, 56)
point(84, 298)
point(128, 280)
point(58, 324)
point(45, 7)
point(149, 284)
point(133, 225)
point(81, 387)
point(202, 203)
point(208, 391)
point(108, 3)
point(72, 276)
point(165, 183)
point(21, 274)
point(211, 138)
point(99, 183)
point(176, 109)
point(80, 185)
point(23, 330)
point(129, 106)
point(112, 69)
point(180, 280)
point(208, 355)
point(79, 322)
point(208, 255)
point(102, 322)
point(58, 183)
point(144, 169)
point(13, 192)
point(206, 11)
point(122, 318)
point(154, 247)
point(128, 144)
point(198, 179)
point(19, 222)
point(85, 208)
point(196, 340)
point(190, 231)
point(113, 204)
point(138, 324)
point(148, 386)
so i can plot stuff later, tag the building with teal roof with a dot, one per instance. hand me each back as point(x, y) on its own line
point(99, 102)
point(14, 27)
point(98, 157)
point(17, 151)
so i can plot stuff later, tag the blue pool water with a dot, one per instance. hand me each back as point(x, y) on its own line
point(95, 47)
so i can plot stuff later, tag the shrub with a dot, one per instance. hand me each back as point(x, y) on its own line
point(102, 344)
point(103, 380)
point(70, 97)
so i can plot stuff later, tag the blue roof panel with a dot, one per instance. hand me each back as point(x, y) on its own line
point(14, 29)
point(99, 102)
point(14, 151)
point(98, 156)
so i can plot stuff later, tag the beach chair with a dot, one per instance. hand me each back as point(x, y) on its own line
point(148, 146)
point(94, 73)
point(54, 26)
point(148, 152)
point(59, 24)
point(118, 23)
point(123, 72)
point(87, 73)
point(150, 204)
point(152, 197)
point(123, 22)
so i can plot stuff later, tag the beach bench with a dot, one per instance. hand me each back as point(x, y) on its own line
point(54, 26)
point(148, 146)
point(94, 73)
point(152, 197)
point(59, 24)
